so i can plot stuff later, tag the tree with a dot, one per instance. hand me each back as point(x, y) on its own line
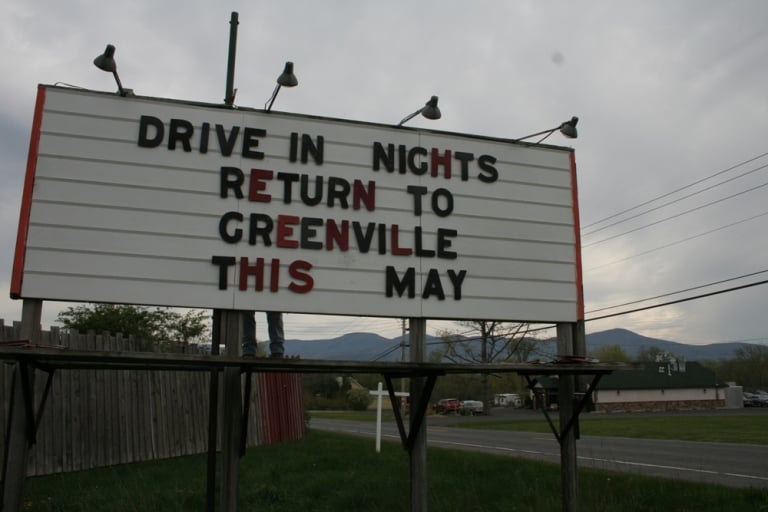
point(612, 353)
point(487, 342)
point(187, 328)
point(650, 354)
point(749, 367)
point(153, 328)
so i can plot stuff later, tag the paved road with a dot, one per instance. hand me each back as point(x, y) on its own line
point(734, 465)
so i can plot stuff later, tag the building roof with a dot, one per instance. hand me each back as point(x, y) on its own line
point(663, 375)
point(658, 375)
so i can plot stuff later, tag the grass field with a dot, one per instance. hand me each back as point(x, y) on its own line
point(332, 472)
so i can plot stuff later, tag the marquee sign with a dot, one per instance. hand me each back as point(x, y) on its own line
point(151, 201)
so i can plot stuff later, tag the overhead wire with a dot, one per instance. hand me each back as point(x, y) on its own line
point(678, 301)
point(675, 201)
point(677, 215)
point(669, 294)
point(676, 242)
point(702, 180)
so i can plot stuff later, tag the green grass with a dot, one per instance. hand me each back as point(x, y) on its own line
point(331, 472)
point(352, 415)
point(746, 428)
point(750, 429)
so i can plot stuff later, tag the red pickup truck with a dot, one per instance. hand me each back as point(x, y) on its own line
point(448, 406)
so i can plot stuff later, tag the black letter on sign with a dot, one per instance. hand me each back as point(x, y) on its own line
point(231, 178)
point(486, 165)
point(224, 234)
point(417, 192)
point(180, 130)
point(308, 148)
point(309, 227)
point(227, 144)
point(224, 262)
point(144, 140)
point(382, 156)
point(433, 285)
point(394, 283)
point(251, 142)
point(442, 212)
point(261, 225)
point(464, 158)
point(457, 280)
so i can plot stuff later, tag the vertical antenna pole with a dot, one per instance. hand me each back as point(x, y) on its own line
point(229, 98)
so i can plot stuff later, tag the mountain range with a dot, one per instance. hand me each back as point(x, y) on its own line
point(362, 346)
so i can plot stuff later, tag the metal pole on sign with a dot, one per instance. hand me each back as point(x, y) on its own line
point(229, 95)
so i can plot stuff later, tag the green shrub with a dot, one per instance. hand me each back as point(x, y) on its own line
point(358, 399)
point(321, 403)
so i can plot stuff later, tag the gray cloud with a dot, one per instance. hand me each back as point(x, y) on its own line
point(666, 94)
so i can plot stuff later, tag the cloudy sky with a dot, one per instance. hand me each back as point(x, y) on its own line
point(672, 155)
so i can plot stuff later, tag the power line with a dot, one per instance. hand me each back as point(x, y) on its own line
point(387, 352)
point(668, 203)
point(674, 191)
point(701, 207)
point(686, 299)
point(680, 291)
point(677, 242)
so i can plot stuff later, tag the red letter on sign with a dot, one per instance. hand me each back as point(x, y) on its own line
point(285, 225)
point(299, 271)
point(438, 160)
point(247, 270)
point(258, 184)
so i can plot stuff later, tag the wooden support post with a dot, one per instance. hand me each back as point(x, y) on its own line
point(580, 349)
point(19, 425)
point(568, 474)
point(418, 451)
point(579, 339)
point(231, 418)
point(213, 417)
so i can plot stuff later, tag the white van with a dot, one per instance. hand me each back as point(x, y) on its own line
point(507, 400)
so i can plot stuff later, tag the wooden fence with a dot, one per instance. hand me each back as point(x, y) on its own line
point(96, 418)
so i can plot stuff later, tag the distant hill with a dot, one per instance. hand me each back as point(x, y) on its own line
point(364, 346)
point(356, 346)
point(632, 343)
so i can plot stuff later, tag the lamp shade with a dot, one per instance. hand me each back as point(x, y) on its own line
point(287, 78)
point(568, 128)
point(106, 61)
point(430, 110)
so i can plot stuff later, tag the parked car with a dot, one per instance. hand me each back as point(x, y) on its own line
point(762, 398)
point(448, 406)
point(207, 348)
point(471, 408)
point(751, 400)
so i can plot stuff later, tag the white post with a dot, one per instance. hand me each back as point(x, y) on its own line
point(378, 418)
point(379, 394)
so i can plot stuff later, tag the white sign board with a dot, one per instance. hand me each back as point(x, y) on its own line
point(158, 202)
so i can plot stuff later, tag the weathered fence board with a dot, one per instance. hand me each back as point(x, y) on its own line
point(95, 418)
